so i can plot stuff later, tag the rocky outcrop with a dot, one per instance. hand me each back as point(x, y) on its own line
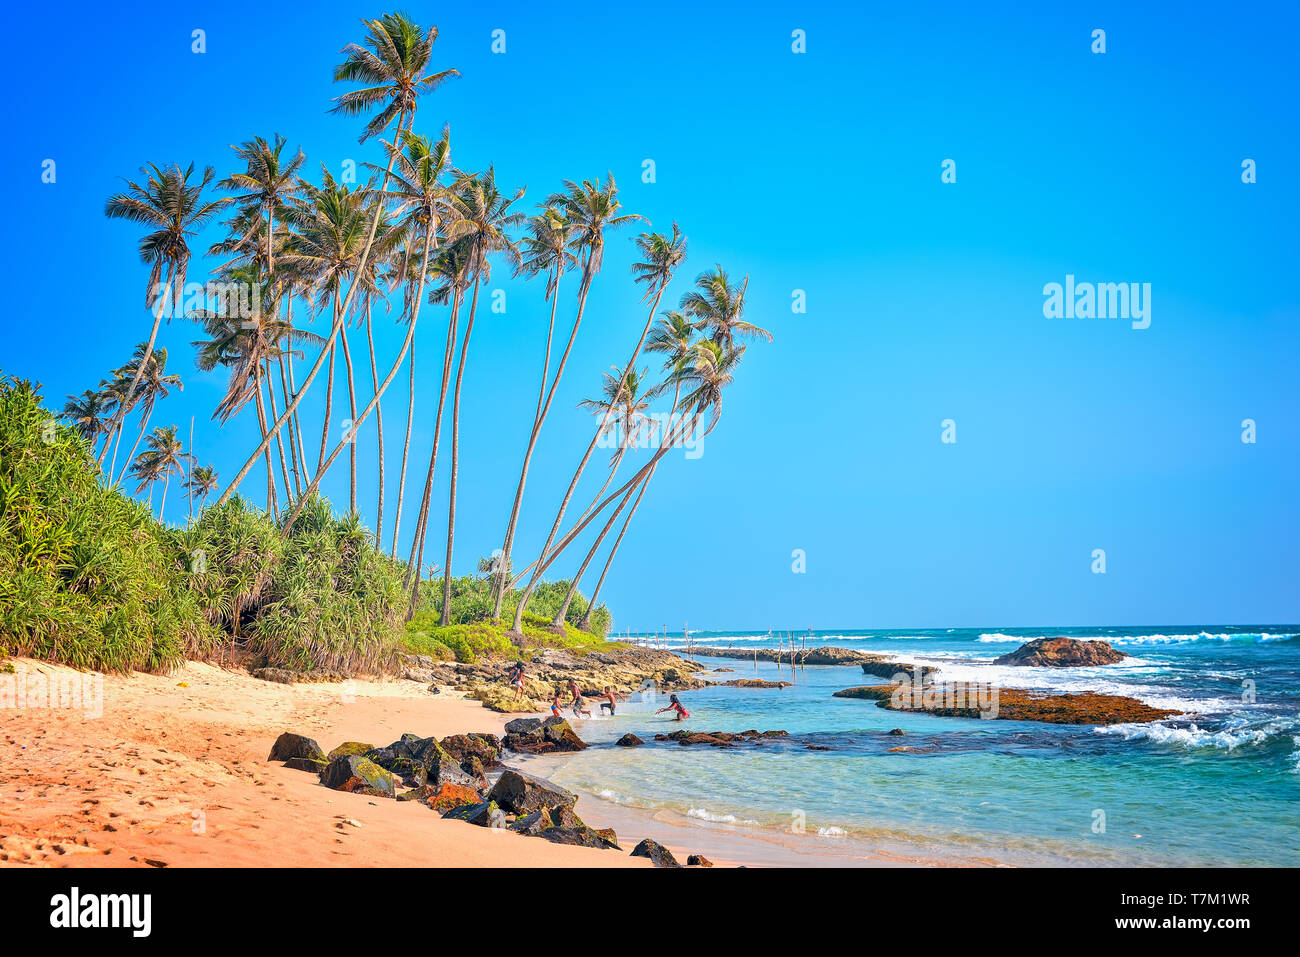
point(698, 860)
point(660, 855)
point(753, 683)
point(445, 798)
point(1015, 704)
point(306, 764)
point(475, 753)
point(1062, 653)
point(483, 814)
point(629, 740)
point(357, 775)
point(719, 739)
point(289, 745)
point(422, 761)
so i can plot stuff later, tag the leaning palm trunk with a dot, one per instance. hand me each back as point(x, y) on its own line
point(543, 407)
point(296, 468)
point(563, 613)
point(379, 422)
point(352, 422)
point(279, 440)
point(144, 426)
point(518, 625)
point(329, 402)
point(416, 561)
point(272, 505)
point(125, 407)
point(584, 623)
point(334, 332)
point(455, 454)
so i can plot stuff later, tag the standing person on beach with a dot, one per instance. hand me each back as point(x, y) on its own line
point(579, 702)
point(517, 677)
point(608, 702)
point(675, 705)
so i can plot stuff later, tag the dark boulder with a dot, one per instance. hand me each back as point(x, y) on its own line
point(520, 794)
point(474, 752)
point(354, 773)
point(698, 860)
point(484, 814)
point(306, 764)
point(523, 725)
point(290, 745)
point(629, 740)
point(660, 855)
point(444, 798)
point(348, 748)
point(542, 737)
point(581, 837)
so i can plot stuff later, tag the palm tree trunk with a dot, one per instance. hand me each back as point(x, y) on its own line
point(334, 332)
point(406, 451)
point(125, 406)
point(329, 404)
point(279, 439)
point(455, 455)
point(379, 420)
point(296, 421)
point(558, 621)
point(272, 505)
point(543, 406)
point(295, 466)
point(353, 425)
point(162, 506)
point(584, 623)
point(517, 627)
point(416, 561)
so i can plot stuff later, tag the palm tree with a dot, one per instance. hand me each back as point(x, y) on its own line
point(480, 219)
point(395, 71)
point(155, 384)
point(202, 481)
point(704, 378)
point(163, 455)
point(417, 187)
point(264, 189)
point(661, 257)
point(716, 307)
point(174, 210)
point(624, 401)
point(452, 270)
point(90, 414)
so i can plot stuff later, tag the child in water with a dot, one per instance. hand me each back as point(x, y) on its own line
point(556, 704)
point(675, 705)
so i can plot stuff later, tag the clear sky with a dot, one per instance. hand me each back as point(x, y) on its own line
point(821, 172)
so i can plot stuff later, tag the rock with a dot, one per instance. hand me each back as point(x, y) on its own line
point(279, 675)
point(753, 683)
point(1062, 653)
point(897, 731)
point(523, 725)
point(580, 836)
point(629, 740)
point(698, 860)
point(306, 764)
point(474, 752)
point(422, 675)
point(553, 734)
point(290, 745)
point(357, 775)
point(484, 814)
point(817, 747)
point(440, 765)
point(444, 798)
point(533, 824)
point(347, 748)
point(660, 855)
point(520, 794)
point(888, 669)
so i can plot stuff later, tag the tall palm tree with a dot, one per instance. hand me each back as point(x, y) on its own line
point(164, 455)
point(661, 255)
point(481, 215)
point(154, 383)
point(717, 305)
point(173, 209)
point(416, 186)
point(624, 403)
point(452, 271)
point(90, 414)
point(201, 482)
point(393, 62)
point(704, 379)
point(545, 251)
point(264, 190)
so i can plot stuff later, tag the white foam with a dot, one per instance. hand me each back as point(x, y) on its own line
point(703, 814)
point(1226, 739)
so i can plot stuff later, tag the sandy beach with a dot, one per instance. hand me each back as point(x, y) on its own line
point(174, 773)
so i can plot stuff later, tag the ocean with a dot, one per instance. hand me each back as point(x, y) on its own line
point(1217, 785)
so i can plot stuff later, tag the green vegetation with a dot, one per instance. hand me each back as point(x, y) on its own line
point(87, 575)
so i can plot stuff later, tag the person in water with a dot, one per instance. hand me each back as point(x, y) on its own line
point(579, 702)
point(609, 701)
point(557, 704)
point(675, 705)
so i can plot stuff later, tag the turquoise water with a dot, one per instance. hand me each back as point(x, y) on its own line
point(1218, 785)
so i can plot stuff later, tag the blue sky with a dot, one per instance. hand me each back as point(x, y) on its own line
point(817, 171)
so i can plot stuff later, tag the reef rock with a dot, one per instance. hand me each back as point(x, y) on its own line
point(660, 855)
point(1062, 653)
point(520, 794)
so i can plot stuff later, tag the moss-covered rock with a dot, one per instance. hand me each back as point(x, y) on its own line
point(349, 748)
point(355, 774)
